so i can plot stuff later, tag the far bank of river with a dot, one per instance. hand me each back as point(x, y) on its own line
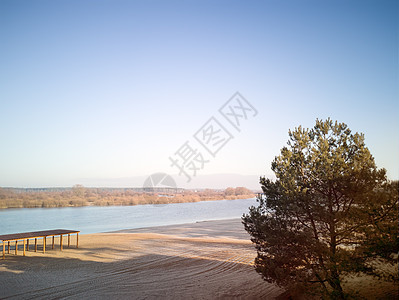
point(93, 219)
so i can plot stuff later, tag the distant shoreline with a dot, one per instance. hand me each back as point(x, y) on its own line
point(79, 196)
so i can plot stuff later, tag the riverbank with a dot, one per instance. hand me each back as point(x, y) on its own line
point(204, 260)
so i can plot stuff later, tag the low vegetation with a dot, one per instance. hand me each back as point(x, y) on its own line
point(82, 196)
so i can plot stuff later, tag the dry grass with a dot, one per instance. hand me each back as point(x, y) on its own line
point(80, 196)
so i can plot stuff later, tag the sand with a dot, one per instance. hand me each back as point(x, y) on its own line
point(205, 260)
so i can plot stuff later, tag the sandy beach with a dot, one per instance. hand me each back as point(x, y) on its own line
point(205, 260)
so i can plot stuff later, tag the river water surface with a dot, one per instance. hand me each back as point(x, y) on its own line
point(93, 219)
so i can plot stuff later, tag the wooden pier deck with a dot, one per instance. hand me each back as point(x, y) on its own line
point(26, 236)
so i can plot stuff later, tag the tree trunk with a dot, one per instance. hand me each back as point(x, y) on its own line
point(337, 292)
point(335, 282)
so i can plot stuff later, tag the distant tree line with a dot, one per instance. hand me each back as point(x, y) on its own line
point(79, 195)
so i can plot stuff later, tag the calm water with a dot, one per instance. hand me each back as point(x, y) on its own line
point(101, 219)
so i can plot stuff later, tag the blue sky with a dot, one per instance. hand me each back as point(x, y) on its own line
point(105, 90)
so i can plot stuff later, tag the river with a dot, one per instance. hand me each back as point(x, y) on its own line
point(94, 219)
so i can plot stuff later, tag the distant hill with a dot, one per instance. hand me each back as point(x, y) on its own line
point(210, 181)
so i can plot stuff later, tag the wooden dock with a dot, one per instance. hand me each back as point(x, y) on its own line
point(26, 236)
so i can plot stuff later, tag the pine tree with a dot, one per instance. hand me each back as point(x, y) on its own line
point(328, 213)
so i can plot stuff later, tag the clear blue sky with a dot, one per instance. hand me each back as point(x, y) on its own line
point(112, 89)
